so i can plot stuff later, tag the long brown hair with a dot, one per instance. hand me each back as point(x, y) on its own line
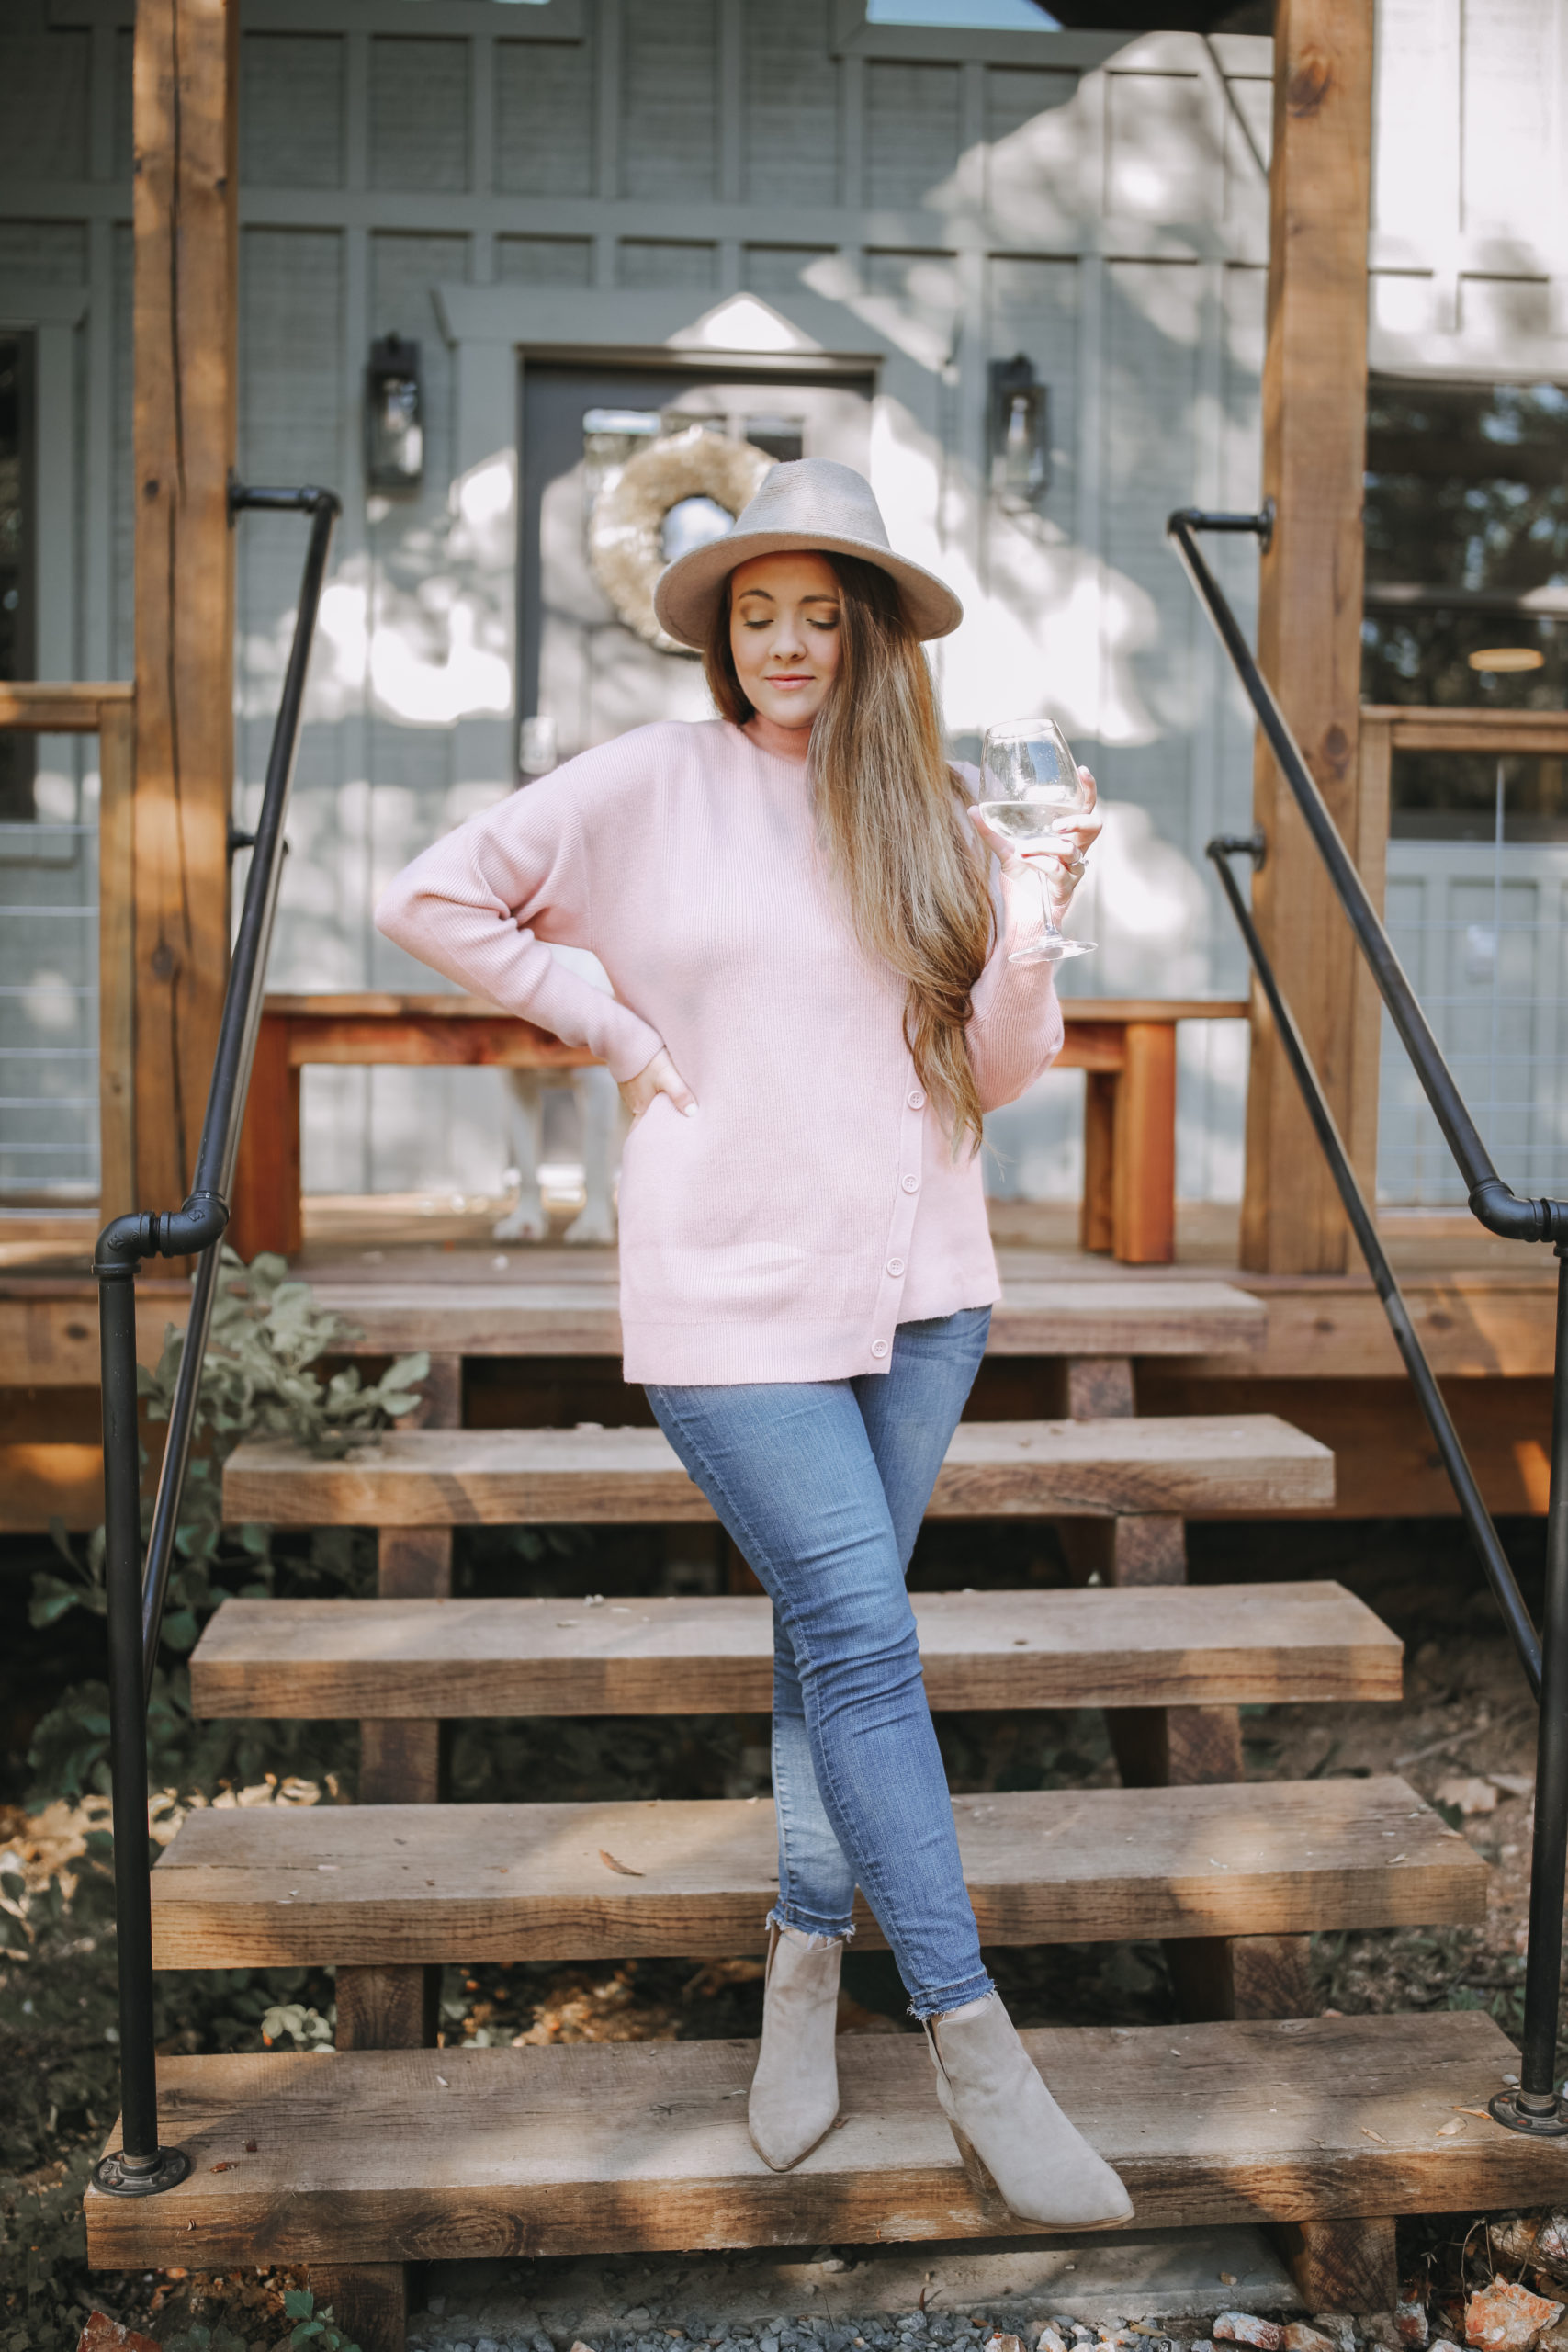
point(890, 812)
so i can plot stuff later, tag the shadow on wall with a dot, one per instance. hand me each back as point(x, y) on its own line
point(1076, 606)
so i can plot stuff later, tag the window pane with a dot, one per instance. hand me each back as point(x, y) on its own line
point(1467, 544)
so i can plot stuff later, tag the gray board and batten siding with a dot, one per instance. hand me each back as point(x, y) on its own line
point(600, 181)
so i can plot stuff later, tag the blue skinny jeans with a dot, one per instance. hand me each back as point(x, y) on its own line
point(823, 1484)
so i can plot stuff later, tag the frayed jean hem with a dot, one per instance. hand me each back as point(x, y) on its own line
point(790, 1915)
point(976, 1988)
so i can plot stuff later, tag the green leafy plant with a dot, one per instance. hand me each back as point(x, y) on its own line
point(198, 2337)
point(313, 2326)
point(257, 1380)
point(59, 2030)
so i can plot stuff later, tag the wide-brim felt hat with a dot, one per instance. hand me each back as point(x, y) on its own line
point(809, 504)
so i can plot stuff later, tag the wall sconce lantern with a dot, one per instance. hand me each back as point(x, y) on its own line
point(1020, 426)
point(394, 416)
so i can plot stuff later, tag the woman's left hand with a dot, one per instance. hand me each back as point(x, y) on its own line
point(1060, 870)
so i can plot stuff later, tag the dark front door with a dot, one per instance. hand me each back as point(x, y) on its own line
point(584, 673)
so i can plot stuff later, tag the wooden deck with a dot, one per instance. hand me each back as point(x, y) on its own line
point(1205, 1336)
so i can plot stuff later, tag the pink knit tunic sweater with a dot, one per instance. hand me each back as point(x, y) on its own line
point(813, 1203)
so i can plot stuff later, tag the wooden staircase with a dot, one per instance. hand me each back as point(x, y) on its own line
point(390, 2152)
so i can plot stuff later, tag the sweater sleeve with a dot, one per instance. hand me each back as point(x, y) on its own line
point(1015, 1023)
point(483, 904)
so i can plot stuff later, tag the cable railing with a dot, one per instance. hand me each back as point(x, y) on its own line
point(136, 1590)
point(1535, 2106)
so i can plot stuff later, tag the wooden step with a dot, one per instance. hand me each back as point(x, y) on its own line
point(514, 1316)
point(1164, 1645)
point(605, 2147)
point(286, 1886)
point(1192, 1464)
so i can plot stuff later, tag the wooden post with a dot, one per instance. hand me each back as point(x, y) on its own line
point(1144, 1547)
point(399, 1757)
point(1097, 1217)
point(394, 2008)
point(268, 1213)
point(368, 2302)
point(1366, 1018)
point(117, 961)
point(1309, 617)
point(1143, 1187)
point(1215, 1976)
point(1348, 2264)
point(184, 120)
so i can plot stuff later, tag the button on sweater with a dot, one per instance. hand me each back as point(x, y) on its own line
point(814, 1202)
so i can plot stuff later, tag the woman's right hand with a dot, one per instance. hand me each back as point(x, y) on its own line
point(660, 1077)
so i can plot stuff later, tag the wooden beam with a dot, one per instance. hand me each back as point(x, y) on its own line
point(184, 125)
point(1385, 1463)
point(1309, 618)
point(1442, 728)
point(61, 709)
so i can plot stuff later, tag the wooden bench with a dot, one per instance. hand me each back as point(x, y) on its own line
point(1127, 1046)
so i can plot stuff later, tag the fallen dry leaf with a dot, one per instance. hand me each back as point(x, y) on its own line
point(1452, 2129)
point(625, 1869)
point(1368, 2134)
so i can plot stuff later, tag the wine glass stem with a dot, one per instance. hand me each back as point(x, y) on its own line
point(1052, 928)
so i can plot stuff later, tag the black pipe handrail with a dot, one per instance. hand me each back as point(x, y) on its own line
point(1456, 1462)
point(136, 1595)
point(1535, 2106)
point(1496, 1205)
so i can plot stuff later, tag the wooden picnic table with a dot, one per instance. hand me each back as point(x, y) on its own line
point(1126, 1046)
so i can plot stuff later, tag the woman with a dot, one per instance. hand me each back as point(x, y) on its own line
point(809, 942)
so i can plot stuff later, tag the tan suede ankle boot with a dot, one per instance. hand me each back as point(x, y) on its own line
point(1015, 2141)
point(795, 2091)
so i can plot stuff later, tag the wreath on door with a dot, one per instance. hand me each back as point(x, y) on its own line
point(625, 527)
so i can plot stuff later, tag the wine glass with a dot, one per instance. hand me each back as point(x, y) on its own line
point(1029, 774)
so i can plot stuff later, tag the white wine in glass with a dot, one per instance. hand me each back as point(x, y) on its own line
point(1030, 778)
